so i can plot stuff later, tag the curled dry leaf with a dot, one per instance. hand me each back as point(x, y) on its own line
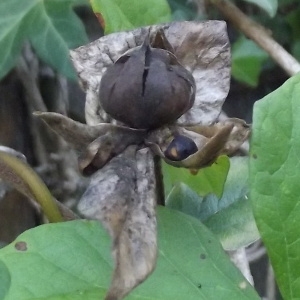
point(201, 47)
point(122, 195)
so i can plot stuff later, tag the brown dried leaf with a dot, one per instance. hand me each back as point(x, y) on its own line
point(122, 196)
point(202, 47)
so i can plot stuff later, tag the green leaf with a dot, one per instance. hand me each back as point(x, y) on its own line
point(269, 6)
point(275, 177)
point(121, 15)
point(229, 217)
point(293, 19)
point(4, 279)
point(296, 49)
point(191, 262)
point(184, 199)
point(234, 225)
point(51, 26)
point(247, 60)
point(71, 261)
point(59, 261)
point(207, 180)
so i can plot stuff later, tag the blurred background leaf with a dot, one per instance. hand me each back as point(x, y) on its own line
point(205, 181)
point(230, 216)
point(52, 27)
point(121, 15)
point(269, 6)
point(247, 60)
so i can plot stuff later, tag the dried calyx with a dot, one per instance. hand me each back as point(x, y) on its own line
point(148, 90)
point(147, 87)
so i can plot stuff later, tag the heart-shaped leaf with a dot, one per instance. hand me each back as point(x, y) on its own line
point(275, 176)
point(71, 260)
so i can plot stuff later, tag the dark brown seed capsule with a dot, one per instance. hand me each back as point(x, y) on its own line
point(147, 88)
point(180, 148)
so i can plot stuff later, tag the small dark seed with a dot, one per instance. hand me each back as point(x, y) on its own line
point(180, 148)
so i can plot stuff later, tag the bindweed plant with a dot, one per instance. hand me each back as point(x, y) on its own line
point(140, 250)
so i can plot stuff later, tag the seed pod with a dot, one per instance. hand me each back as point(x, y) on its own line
point(180, 148)
point(147, 88)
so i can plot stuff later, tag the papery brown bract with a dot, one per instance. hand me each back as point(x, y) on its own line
point(147, 88)
point(127, 210)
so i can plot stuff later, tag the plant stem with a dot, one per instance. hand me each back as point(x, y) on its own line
point(160, 192)
point(258, 34)
point(23, 178)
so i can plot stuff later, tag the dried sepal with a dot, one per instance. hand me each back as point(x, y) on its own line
point(78, 135)
point(160, 41)
point(122, 196)
point(221, 138)
point(238, 135)
point(98, 153)
point(98, 144)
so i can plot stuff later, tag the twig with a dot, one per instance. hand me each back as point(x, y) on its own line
point(258, 34)
point(30, 85)
point(27, 75)
point(255, 252)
